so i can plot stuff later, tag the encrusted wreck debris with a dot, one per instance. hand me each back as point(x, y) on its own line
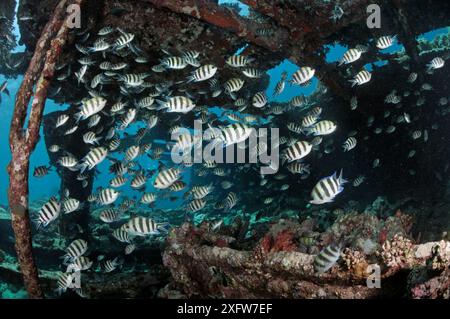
point(210, 265)
point(23, 141)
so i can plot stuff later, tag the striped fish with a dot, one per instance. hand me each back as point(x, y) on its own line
point(316, 140)
point(70, 205)
point(138, 181)
point(230, 201)
point(416, 134)
point(111, 265)
point(129, 249)
point(350, 56)
point(237, 61)
point(233, 117)
point(159, 68)
point(264, 32)
point(315, 111)
point(65, 281)
point(80, 264)
point(184, 143)
point(393, 98)
point(309, 120)
point(121, 235)
point(118, 181)
point(148, 198)
point(192, 61)
point(303, 76)
point(105, 30)
point(41, 171)
point(240, 102)
point(327, 189)
point(118, 66)
point(71, 130)
point(195, 205)
point(297, 101)
point(48, 213)
point(361, 78)
point(118, 168)
point(358, 180)
point(152, 121)
point(105, 66)
point(91, 138)
point(203, 73)
point(54, 148)
point(118, 107)
point(412, 77)
point(349, 144)
point(61, 120)
point(385, 42)
point(76, 249)
point(281, 84)
point(295, 127)
point(123, 40)
point(132, 80)
point(145, 102)
point(90, 107)
point(100, 45)
point(127, 119)
point(436, 63)
point(177, 104)
point(298, 168)
point(322, 128)
point(81, 73)
point(353, 103)
point(235, 133)
point(191, 54)
point(233, 85)
point(226, 184)
point(174, 62)
point(110, 215)
point(199, 192)
point(143, 226)
point(252, 73)
point(157, 152)
point(96, 80)
point(327, 258)
point(131, 153)
point(209, 164)
point(145, 148)
point(114, 144)
point(219, 171)
point(297, 151)
point(259, 100)
point(107, 196)
point(166, 178)
point(94, 120)
point(93, 158)
point(177, 186)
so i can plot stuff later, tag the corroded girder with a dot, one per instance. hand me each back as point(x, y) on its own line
point(23, 141)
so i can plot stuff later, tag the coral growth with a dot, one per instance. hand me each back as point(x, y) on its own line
point(398, 252)
point(356, 262)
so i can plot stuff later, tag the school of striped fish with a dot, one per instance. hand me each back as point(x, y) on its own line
point(103, 120)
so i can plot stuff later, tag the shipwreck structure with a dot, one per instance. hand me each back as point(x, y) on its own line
point(300, 31)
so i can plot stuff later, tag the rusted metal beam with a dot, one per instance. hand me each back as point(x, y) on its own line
point(23, 141)
point(227, 19)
